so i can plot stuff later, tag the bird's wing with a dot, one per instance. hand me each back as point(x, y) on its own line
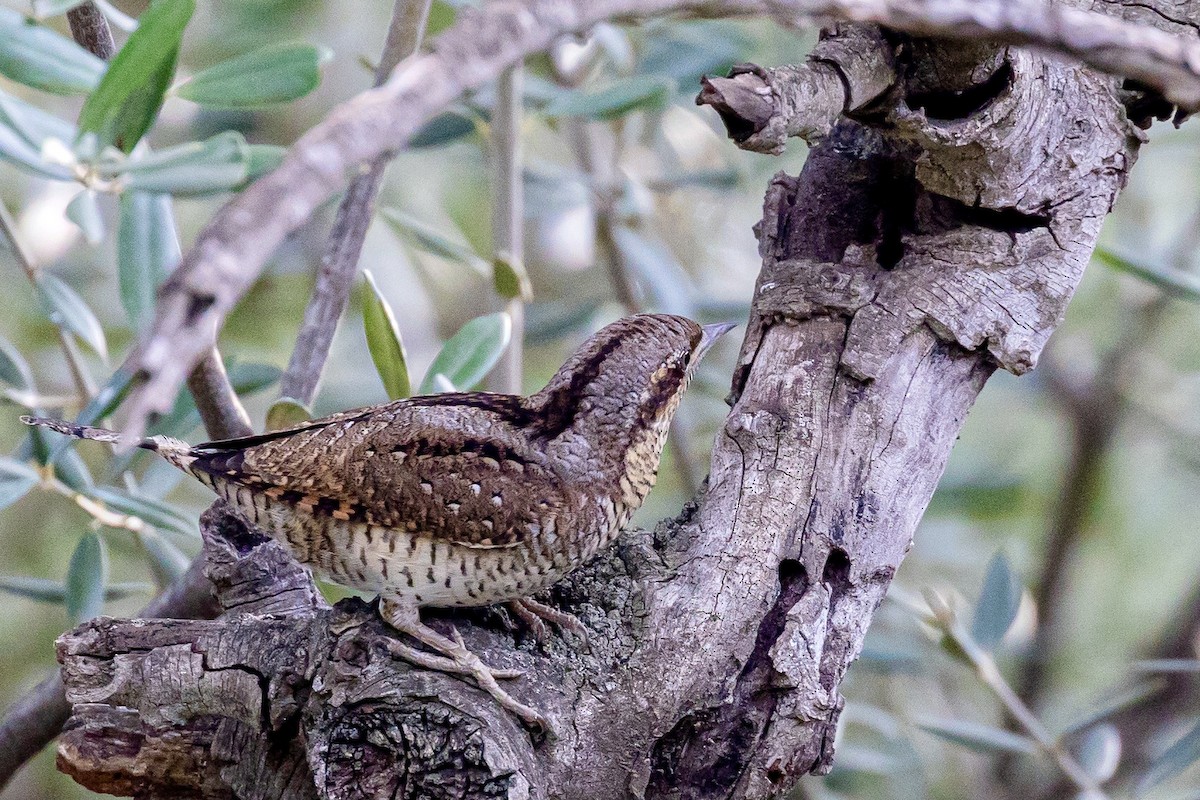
point(411, 465)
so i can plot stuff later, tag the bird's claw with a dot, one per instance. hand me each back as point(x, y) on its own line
point(534, 614)
point(454, 657)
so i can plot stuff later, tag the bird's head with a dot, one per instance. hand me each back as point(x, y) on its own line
point(622, 386)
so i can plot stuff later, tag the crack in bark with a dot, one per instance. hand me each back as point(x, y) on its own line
point(708, 750)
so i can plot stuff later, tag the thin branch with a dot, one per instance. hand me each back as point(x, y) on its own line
point(1163, 61)
point(508, 212)
point(988, 671)
point(30, 723)
point(335, 277)
point(84, 385)
point(90, 29)
point(220, 409)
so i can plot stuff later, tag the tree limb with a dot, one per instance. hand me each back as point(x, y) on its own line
point(231, 250)
point(90, 29)
point(1166, 62)
point(335, 277)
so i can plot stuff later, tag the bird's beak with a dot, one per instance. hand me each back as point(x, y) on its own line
point(709, 335)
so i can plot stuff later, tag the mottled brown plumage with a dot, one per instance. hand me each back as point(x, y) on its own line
point(468, 498)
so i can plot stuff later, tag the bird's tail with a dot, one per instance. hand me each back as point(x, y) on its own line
point(175, 452)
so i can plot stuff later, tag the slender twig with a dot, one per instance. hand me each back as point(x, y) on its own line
point(84, 385)
point(1092, 435)
point(985, 665)
point(508, 210)
point(90, 29)
point(339, 263)
point(222, 412)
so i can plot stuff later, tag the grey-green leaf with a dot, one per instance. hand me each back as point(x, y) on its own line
point(124, 105)
point(67, 309)
point(219, 164)
point(433, 241)
point(84, 211)
point(1099, 751)
point(263, 158)
point(160, 514)
point(167, 562)
point(618, 99)
point(33, 124)
point(37, 56)
point(275, 74)
point(147, 251)
point(251, 378)
point(69, 467)
point(23, 130)
point(385, 343)
point(14, 369)
point(443, 129)
point(511, 280)
point(978, 737)
point(16, 479)
point(1112, 703)
point(287, 412)
point(1178, 757)
point(87, 575)
point(657, 268)
point(1175, 283)
point(45, 590)
point(471, 353)
point(998, 603)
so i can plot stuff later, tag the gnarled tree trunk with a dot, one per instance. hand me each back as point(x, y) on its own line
point(944, 217)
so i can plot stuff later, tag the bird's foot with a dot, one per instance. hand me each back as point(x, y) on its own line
point(456, 659)
point(535, 614)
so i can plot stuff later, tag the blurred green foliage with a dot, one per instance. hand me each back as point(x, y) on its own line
point(621, 169)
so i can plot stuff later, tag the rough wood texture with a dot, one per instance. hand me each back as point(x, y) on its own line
point(916, 252)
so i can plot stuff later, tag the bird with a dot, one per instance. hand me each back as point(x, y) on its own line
point(462, 498)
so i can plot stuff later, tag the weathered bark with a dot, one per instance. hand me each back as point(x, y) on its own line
point(916, 252)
